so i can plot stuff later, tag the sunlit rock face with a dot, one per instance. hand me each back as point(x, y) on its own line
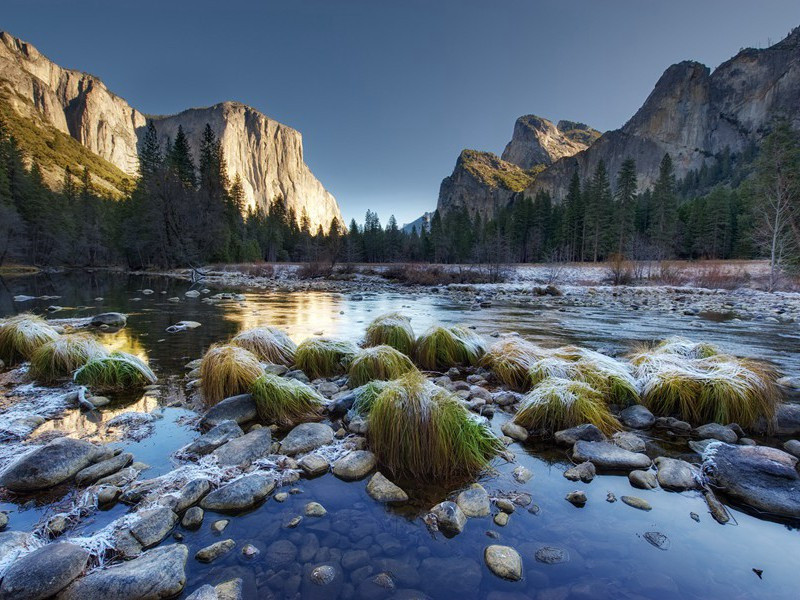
point(537, 141)
point(267, 155)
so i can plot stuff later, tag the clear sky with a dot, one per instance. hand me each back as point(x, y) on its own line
point(387, 94)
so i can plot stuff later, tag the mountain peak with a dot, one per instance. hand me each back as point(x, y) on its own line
point(537, 141)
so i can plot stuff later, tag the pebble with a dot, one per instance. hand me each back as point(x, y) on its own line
point(315, 509)
point(504, 561)
point(501, 519)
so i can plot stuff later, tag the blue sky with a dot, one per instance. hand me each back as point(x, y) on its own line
point(387, 94)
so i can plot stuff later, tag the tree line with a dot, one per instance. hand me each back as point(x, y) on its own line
point(186, 211)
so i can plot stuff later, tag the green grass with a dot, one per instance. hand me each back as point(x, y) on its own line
point(117, 371)
point(419, 430)
point(557, 404)
point(393, 330)
point(285, 402)
point(440, 348)
point(378, 363)
point(511, 359)
point(323, 357)
point(21, 335)
point(269, 344)
point(63, 355)
point(365, 397)
point(227, 371)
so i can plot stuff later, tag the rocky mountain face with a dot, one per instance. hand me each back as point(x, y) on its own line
point(419, 224)
point(694, 114)
point(267, 155)
point(537, 141)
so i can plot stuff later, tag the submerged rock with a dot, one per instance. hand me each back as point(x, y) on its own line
point(314, 509)
point(242, 493)
point(305, 438)
point(381, 489)
point(355, 465)
point(48, 465)
point(504, 562)
point(240, 409)
point(215, 550)
point(610, 457)
point(758, 476)
point(522, 474)
point(551, 555)
point(474, 501)
point(44, 572)
point(158, 573)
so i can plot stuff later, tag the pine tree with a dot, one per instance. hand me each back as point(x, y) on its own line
point(150, 157)
point(180, 160)
point(665, 209)
point(573, 217)
point(625, 206)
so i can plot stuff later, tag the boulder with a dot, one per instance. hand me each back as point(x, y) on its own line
point(193, 518)
point(760, 477)
point(339, 406)
point(715, 431)
point(242, 493)
point(153, 526)
point(214, 438)
point(503, 561)
point(355, 465)
point(644, 480)
point(240, 409)
point(609, 457)
point(103, 469)
point(381, 489)
point(792, 447)
point(305, 438)
point(158, 573)
point(449, 517)
point(676, 475)
point(514, 431)
point(474, 501)
point(583, 472)
point(587, 433)
point(637, 417)
point(44, 572)
point(48, 465)
point(242, 451)
point(109, 319)
point(314, 465)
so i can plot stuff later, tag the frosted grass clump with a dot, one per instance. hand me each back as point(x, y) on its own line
point(393, 329)
point(511, 360)
point(227, 371)
point(557, 403)
point(21, 335)
point(324, 357)
point(269, 344)
point(63, 355)
point(285, 402)
point(378, 363)
point(440, 348)
point(365, 397)
point(116, 371)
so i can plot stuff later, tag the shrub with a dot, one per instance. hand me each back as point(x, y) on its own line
point(285, 402)
point(226, 371)
point(21, 335)
point(61, 356)
point(421, 431)
point(558, 403)
point(440, 348)
point(392, 330)
point(324, 357)
point(269, 344)
point(379, 363)
point(116, 371)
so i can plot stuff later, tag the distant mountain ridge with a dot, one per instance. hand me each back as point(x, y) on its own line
point(60, 102)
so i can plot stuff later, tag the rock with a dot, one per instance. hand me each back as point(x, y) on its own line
point(219, 525)
point(355, 465)
point(158, 573)
point(205, 592)
point(503, 561)
point(189, 495)
point(501, 519)
point(305, 438)
point(341, 403)
point(507, 506)
point(657, 539)
point(153, 526)
point(761, 477)
point(322, 575)
point(629, 441)
point(644, 480)
point(315, 509)
point(551, 555)
point(578, 498)
point(381, 489)
point(522, 474)
point(249, 551)
point(716, 508)
point(699, 446)
point(102, 469)
point(673, 424)
point(793, 447)
point(12, 543)
point(587, 433)
point(3, 520)
point(193, 518)
point(676, 475)
point(715, 431)
point(242, 493)
point(48, 465)
point(609, 457)
point(280, 553)
point(214, 438)
point(636, 502)
point(474, 501)
point(109, 319)
point(637, 417)
point(449, 517)
point(242, 451)
point(215, 550)
point(583, 472)
point(240, 409)
point(314, 465)
point(514, 431)
point(44, 572)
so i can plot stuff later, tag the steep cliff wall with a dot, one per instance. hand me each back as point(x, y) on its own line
point(537, 141)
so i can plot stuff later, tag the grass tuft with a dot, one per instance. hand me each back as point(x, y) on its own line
point(393, 330)
point(419, 430)
point(323, 357)
point(285, 402)
point(63, 355)
point(378, 363)
point(116, 371)
point(511, 359)
point(365, 397)
point(269, 344)
point(440, 348)
point(21, 335)
point(226, 371)
point(558, 403)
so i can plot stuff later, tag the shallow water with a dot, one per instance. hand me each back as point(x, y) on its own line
point(609, 555)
